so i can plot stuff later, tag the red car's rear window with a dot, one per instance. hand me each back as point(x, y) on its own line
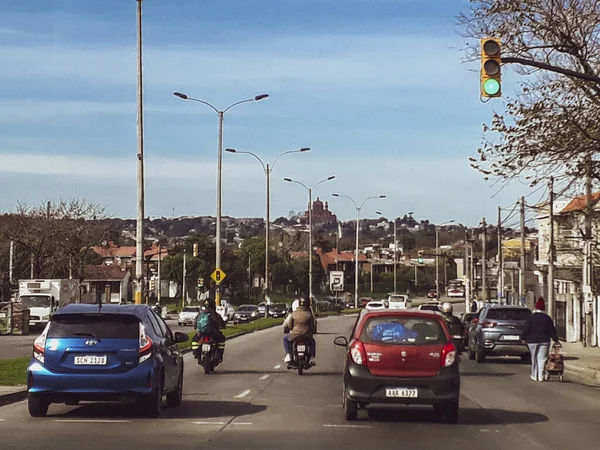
point(408, 330)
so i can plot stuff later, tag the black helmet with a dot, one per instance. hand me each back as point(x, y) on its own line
point(210, 303)
point(304, 302)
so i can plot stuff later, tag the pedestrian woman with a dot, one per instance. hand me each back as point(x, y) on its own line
point(537, 333)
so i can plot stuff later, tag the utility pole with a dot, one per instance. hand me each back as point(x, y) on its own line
point(588, 273)
point(183, 296)
point(551, 256)
point(484, 291)
point(523, 260)
point(11, 260)
point(467, 273)
point(158, 274)
point(500, 259)
point(437, 273)
point(139, 266)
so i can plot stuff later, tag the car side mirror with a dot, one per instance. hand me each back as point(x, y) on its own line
point(181, 337)
point(341, 341)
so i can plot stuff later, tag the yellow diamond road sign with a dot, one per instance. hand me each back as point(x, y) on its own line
point(218, 276)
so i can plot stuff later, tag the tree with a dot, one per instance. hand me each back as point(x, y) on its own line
point(552, 126)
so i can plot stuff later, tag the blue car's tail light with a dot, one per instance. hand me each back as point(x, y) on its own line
point(39, 345)
point(145, 345)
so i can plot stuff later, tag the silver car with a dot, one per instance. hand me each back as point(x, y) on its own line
point(188, 315)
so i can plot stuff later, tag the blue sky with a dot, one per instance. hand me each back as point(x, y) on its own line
point(376, 88)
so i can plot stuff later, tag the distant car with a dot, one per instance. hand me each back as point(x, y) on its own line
point(466, 320)
point(375, 305)
point(226, 311)
point(277, 310)
point(245, 314)
point(399, 301)
point(262, 308)
point(496, 332)
point(114, 352)
point(435, 307)
point(363, 301)
point(432, 294)
point(401, 357)
point(188, 315)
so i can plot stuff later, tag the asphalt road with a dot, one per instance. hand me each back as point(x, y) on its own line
point(251, 402)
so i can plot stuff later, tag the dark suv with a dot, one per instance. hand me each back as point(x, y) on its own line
point(496, 332)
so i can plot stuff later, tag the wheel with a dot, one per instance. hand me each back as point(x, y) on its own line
point(152, 403)
point(38, 406)
point(350, 407)
point(174, 398)
point(448, 412)
point(480, 356)
point(560, 378)
point(206, 364)
point(179, 323)
point(300, 364)
point(526, 359)
point(546, 376)
point(471, 355)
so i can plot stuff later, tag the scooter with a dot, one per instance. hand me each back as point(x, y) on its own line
point(301, 360)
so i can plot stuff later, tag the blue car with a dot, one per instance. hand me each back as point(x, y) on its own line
point(123, 353)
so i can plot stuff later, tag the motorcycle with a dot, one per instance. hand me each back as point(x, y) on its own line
point(207, 354)
point(300, 356)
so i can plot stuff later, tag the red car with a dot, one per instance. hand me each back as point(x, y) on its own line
point(401, 357)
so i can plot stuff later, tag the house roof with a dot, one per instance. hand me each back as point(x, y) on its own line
point(104, 272)
point(330, 258)
point(578, 204)
point(110, 250)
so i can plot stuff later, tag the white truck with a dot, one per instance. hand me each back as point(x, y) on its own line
point(44, 297)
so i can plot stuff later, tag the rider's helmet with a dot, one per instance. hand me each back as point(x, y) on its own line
point(304, 302)
point(447, 308)
point(210, 303)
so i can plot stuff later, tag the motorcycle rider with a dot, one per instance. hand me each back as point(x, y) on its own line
point(454, 324)
point(300, 322)
point(209, 323)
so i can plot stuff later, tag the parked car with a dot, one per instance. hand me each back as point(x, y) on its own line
point(188, 315)
point(375, 305)
point(262, 308)
point(400, 357)
point(245, 314)
point(432, 293)
point(363, 301)
point(114, 352)
point(496, 332)
point(466, 319)
point(277, 310)
point(399, 301)
point(430, 306)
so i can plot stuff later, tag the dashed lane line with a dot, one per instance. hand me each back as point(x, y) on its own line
point(209, 423)
point(346, 426)
point(264, 377)
point(243, 394)
point(277, 367)
point(91, 421)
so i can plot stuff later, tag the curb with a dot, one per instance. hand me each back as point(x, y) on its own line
point(13, 397)
point(582, 375)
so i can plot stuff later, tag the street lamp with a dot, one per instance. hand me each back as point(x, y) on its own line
point(219, 172)
point(437, 252)
point(268, 169)
point(358, 208)
point(310, 190)
point(395, 247)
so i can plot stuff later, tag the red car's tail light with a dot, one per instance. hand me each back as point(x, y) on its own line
point(448, 354)
point(358, 353)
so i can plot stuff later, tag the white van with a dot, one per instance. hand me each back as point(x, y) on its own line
point(399, 301)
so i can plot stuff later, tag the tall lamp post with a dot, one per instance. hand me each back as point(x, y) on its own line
point(310, 191)
point(437, 252)
point(395, 248)
point(358, 208)
point(268, 168)
point(220, 113)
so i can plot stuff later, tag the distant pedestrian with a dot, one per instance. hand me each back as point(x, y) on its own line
point(474, 306)
point(537, 333)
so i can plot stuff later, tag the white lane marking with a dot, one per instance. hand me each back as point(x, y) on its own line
point(243, 394)
point(209, 423)
point(264, 377)
point(241, 423)
point(277, 367)
point(90, 421)
point(1, 420)
point(346, 426)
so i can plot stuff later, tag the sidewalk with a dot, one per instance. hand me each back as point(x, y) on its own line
point(582, 364)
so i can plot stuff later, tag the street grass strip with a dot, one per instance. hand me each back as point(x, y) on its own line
point(13, 372)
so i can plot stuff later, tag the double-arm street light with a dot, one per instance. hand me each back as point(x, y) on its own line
point(437, 252)
point(268, 168)
point(220, 113)
point(395, 248)
point(310, 190)
point(358, 208)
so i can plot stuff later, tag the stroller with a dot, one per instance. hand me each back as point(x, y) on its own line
point(555, 365)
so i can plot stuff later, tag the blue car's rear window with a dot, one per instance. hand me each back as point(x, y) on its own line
point(94, 325)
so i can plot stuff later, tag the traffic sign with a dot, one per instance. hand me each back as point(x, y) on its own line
point(336, 281)
point(218, 276)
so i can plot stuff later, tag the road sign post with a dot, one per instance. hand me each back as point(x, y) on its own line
point(336, 281)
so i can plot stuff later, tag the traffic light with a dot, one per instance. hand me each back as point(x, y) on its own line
point(152, 284)
point(420, 256)
point(491, 68)
point(200, 282)
point(195, 249)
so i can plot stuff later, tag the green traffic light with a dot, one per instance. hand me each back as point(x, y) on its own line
point(491, 86)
